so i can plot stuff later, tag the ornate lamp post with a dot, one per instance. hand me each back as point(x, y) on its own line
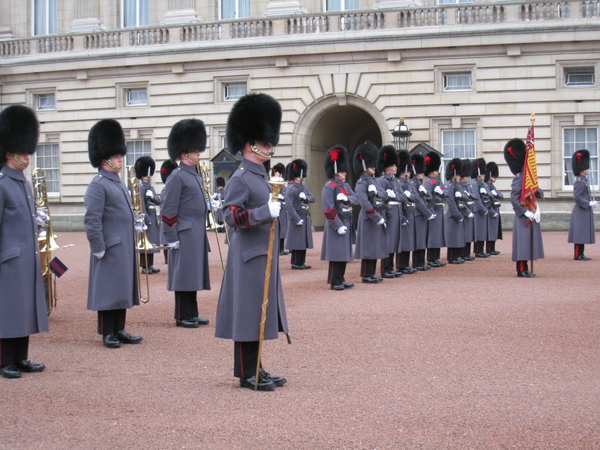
point(401, 134)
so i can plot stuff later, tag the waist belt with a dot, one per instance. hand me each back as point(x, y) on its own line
point(393, 203)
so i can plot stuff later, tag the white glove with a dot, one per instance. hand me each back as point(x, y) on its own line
point(214, 204)
point(482, 191)
point(494, 193)
point(495, 215)
point(149, 194)
point(407, 193)
point(300, 222)
point(342, 230)
point(431, 217)
point(457, 194)
point(139, 227)
point(439, 190)
point(372, 188)
point(274, 209)
point(390, 193)
point(470, 216)
point(593, 203)
point(536, 216)
point(173, 245)
point(422, 189)
point(381, 222)
point(280, 197)
point(529, 215)
point(302, 195)
point(341, 197)
point(99, 255)
point(41, 217)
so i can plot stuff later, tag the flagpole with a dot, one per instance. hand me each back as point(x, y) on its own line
point(532, 120)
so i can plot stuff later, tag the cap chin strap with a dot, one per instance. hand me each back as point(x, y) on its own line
point(256, 150)
point(110, 164)
point(371, 171)
point(19, 160)
point(193, 158)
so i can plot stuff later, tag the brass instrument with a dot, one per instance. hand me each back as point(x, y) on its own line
point(46, 239)
point(203, 171)
point(142, 243)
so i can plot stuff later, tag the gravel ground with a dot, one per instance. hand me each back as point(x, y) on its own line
point(465, 356)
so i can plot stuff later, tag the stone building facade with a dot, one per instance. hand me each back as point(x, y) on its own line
point(465, 76)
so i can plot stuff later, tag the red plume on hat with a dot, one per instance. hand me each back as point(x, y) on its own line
point(336, 161)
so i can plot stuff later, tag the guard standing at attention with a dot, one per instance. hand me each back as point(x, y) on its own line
point(423, 214)
point(110, 228)
point(23, 309)
point(436, 239)
point(494, 218)
point(278, 170)
point(337, 200)
point(184, 211)
point(455, 229)
point(408, 235)
point(468, 203)
point(481, 207)
point(144, 171)
point(165, 170)
point(581, 227)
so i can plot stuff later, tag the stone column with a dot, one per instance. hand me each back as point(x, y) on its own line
point(180, 11)
point(86, 17)
point(6, 31)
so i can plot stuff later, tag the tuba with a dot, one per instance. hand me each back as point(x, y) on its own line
point(46, 238)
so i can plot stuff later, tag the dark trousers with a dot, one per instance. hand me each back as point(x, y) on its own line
point(419, 258)
point(454, 253)
point(490, 246)
point(522, 266)
point(281, 245)
point(143, 260)
point(387, 264)
point(402, 260)
point(479, 247)
point(467, 250)
point(298, 257)
point(111, 321)
point(578, 250)
point(368, 267)
point(166, 253)
point(433, 254)
point(245, 357)
point(337, 270)
point(186, 305)
point(13, 350)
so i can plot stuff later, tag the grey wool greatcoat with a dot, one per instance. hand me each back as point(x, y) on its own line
point(183, 213)
point(581, 228)
point(469, 222)
point(246, 212)
point(422, 213)
point(408, 234)
point(23, 300)
point(150, 214)
point(371, 239)
point(480, 209)
point(299, 237)
point(109, 226)
point(494, 220)
point(393, 217)
point(455, 230)
point(282, 220)
point(436, 237)
point(527, 240)
point(337, 247)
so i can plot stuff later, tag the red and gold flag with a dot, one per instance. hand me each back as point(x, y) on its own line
point(530, 176)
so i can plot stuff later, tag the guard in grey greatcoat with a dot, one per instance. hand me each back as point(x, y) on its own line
point(423, 215)
point(408, 234)
point(23, 309)
point(166, 169)
point(436, 238)
point(371, 239)
point(278, 171)
point(468, 214)
point(144, 170)
point(481, 206)
point(387, 165)
point(527, 231)
point(337, 199)
point(581, 228)
point(297, 200)
point(252, 129)
point(217, 204)
point(494, 218)
point(455, 229)
point(183, 212)
point(110, 228)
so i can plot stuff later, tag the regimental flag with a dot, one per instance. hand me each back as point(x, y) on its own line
point(530, 176)
point(57, 267)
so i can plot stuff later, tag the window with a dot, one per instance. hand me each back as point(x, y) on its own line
point(136, 97)
point(46, 157)
point(135, 13)
point(580, 76)
point(235, 9)
point(234, 91)
point(577, 139)
point(458, 81)
point(458, 144)
point(340, 5)
point(45, 102)
point(453, 2)
point(44, 17)
point(135, 149)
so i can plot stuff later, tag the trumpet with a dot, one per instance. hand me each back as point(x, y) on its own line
point(202, 169)
point(46, 239)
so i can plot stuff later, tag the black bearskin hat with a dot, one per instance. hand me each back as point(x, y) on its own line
point(254, 118)
point(186, 135)
point(142, 164)
point(418, 162)
point(336, 161)
point(279, 168)
point(580, 161)
point(514, 155)
point(106, 139)
point(19, 131)
point(165, 170)
point(298, 169)
point(386, 157)
point(404, 163)
point(465, 171)
point(220, 182)
point(491, 170)
point(478, 167)
point(365, 153)
point(453, 169)
point(433, 162)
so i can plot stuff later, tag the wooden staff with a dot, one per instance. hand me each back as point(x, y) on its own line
point(277, 183)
